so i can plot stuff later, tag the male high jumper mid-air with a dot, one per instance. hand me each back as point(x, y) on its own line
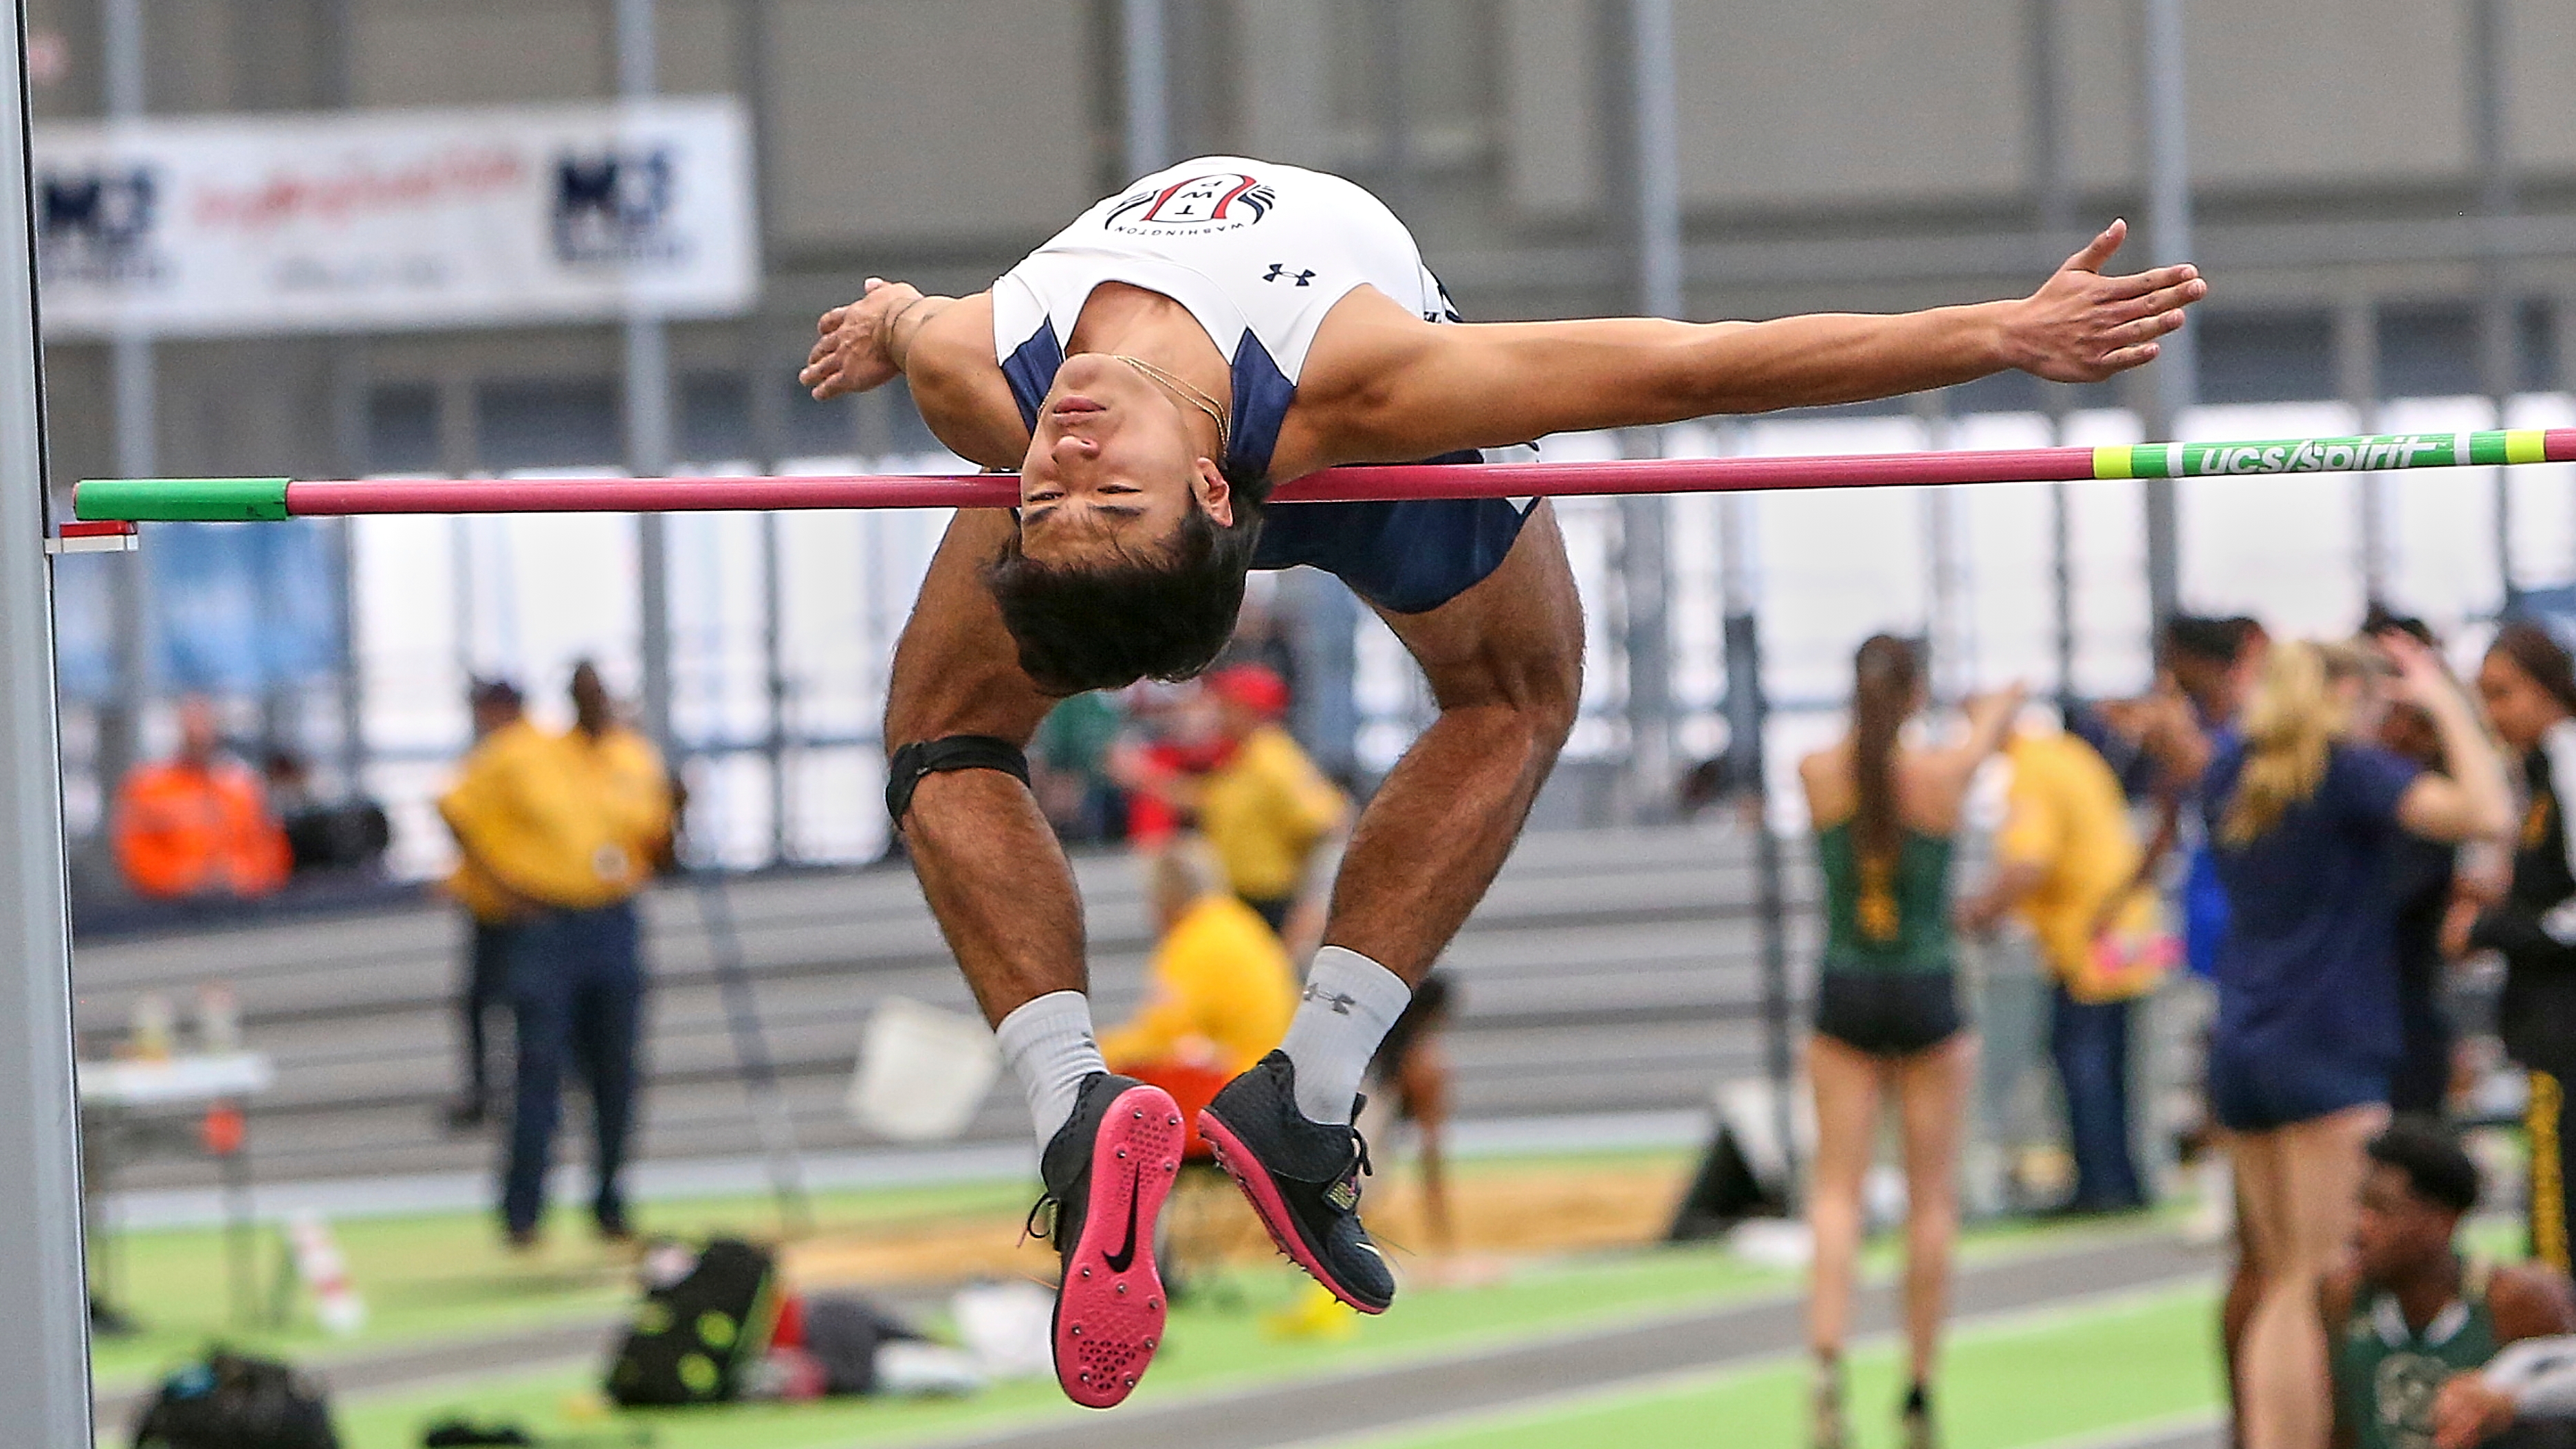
point(1214, 328)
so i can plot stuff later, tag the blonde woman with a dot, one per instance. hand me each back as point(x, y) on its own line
point(2305, 818)
point(1888, 1023)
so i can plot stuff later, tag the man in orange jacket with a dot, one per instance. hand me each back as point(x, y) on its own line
point(198, 824)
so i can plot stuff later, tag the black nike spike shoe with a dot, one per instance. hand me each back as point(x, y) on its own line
point(1303, 1179)
point(1107, 1172)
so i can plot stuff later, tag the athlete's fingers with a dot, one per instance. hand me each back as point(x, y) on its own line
point(2171, 299)
point(2138, 284)
point(2167, 299)
point(2143, 330)
point(2098, 250)
point(831, 321)
point(2126, 358)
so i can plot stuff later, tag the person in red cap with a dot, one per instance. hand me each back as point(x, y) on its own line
point(1266, 809)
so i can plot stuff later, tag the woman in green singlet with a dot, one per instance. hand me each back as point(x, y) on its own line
point(1887, 1008)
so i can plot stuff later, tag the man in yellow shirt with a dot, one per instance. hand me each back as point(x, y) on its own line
point(500, 725)
point(1267, 809)
point(2067, 860)
point(569, 827)
point(1222, 989)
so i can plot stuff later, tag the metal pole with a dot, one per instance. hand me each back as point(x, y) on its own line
point(1657, 158)
point(765, 397)
point(1951, 667)
point(1748, 715)
point(773, 654)
point(2356, 362)
point(351, 382)
point(1149, 88)
point(2053, 210)
point(1395, 139)
point(349, 436)
point(1645, 559)
point(2173, 382)
point(44, 1324)
point(2496, 341)
point(459, 449)
point(133, 385)
point(648, 418)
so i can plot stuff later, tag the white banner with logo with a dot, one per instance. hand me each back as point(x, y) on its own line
point(396, 219)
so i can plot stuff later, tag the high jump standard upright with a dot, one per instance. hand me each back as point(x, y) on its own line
point(44, 1311)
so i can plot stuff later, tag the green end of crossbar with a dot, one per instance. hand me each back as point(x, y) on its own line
point(164, 500)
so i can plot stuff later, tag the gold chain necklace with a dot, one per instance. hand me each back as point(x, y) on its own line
point(1187, 393)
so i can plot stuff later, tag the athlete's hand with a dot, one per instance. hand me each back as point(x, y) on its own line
point(2421, 678)
point(2469, 1411)
point(854, 349)
point(2082, 326)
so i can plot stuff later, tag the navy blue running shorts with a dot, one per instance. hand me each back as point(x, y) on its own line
point(2258, 1091)
point(1406, 558)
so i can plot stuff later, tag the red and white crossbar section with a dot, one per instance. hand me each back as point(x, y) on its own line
point(164, 499)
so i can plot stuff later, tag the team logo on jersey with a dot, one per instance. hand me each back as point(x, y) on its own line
point(1223, 201)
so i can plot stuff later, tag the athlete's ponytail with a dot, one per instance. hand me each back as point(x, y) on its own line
point(2291, 722)
point(1887, 680)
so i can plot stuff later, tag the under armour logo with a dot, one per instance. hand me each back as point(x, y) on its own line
point(1340, 1003)
point(1280, 269)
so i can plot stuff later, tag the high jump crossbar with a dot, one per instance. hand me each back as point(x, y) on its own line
point(149, 500)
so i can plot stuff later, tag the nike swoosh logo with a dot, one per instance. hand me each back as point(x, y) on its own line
point(1126, 1253)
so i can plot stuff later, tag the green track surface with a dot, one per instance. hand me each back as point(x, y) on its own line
point(1211, 1348)
point(2038, 1379)
point(445, 1276)
point(1212, 1345)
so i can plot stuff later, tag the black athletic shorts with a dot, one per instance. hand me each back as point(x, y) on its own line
point(1888, 1013)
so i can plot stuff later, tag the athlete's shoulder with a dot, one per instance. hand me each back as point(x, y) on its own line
point(2528, 1301)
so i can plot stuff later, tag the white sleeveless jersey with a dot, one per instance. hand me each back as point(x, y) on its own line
point(1257, 251)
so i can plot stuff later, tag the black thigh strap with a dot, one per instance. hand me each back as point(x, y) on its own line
point(956, 752)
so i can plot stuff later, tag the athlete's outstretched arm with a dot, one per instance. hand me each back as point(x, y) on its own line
point(942, 346)
point(1401, 388)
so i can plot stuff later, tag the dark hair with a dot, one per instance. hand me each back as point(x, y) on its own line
point(1105, 625)
point(1886, 673)
point(2436, 1169)
point(2536, 652)
point(492, 694)
point(2213, 641)
point(2380, 619)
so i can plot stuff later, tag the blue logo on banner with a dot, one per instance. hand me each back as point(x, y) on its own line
point(615, 207)
point(97, 226)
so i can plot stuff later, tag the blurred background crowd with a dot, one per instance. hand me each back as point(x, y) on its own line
point(395, 836)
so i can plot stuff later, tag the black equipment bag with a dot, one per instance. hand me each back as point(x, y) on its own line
point(706, 1316)
point(1726, 1191)
point(230, 1401)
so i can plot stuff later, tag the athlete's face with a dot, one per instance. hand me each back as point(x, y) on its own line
point(1113, 466)
point(2396, 1231)
point(2517, 706)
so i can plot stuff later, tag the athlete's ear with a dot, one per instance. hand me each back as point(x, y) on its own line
point(1213, 493)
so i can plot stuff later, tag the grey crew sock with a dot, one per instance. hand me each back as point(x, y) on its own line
point(1049, 1045)
point(1350, 1003)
